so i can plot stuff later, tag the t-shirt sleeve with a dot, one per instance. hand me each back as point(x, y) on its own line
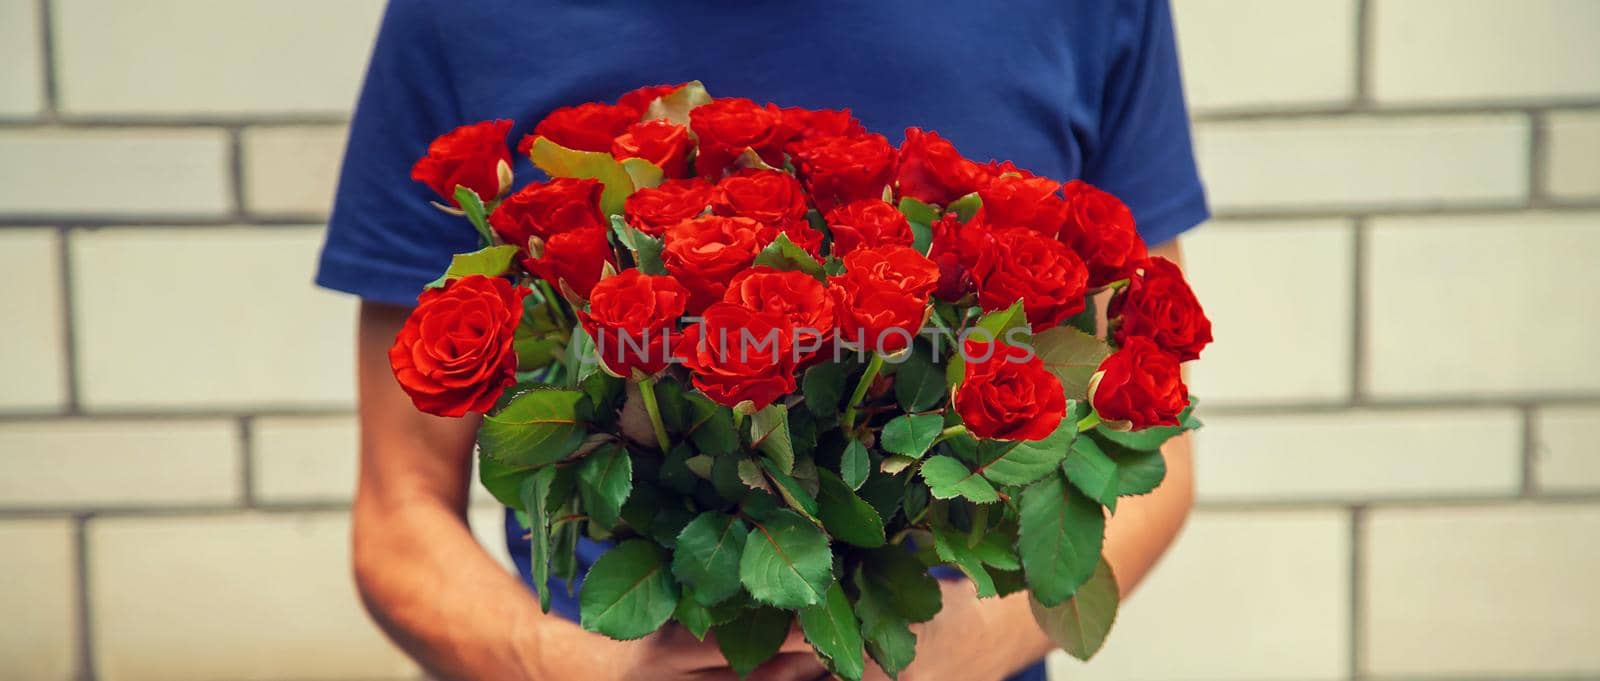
point(384, 240)
point(1143, 153)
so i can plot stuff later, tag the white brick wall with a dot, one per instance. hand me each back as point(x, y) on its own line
point(1399, 479)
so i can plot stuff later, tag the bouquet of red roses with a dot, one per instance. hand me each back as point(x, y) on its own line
point(788, 368)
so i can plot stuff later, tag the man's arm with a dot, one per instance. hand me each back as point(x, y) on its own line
point(996, 637)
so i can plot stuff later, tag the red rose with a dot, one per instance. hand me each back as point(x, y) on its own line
point(632, 317)
point(994, 169)
point(838, 170)
point(1158, 304)
point(1020, 263)
point(545, 209)
point(469, 156)
point(454, 354)
point(1099, 227)
point(736, 354)
point(639, 99)
point(770, 197)
point(799, 232)
point(876, 316)
point(653, 210)
point(955, 250)
point(796, 295)
point(930, 169)
point(868, 222)
point(1016, 201)
point(1140, 385)
point(663, 143)
point(705, 252)
point(726, 127)
point(1007, 394)
point(577, 257)
point(586, 127)
point(898, 267)
point(803, 123)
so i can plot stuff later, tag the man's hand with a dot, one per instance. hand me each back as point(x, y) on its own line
point(673, 653)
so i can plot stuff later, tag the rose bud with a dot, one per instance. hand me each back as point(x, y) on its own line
point(1158, 304)
point(705, 252)
point(1139, 385)
point(639, 99)
point(1100, 229)
point(572, 260)
point(868, 222)
point(1031, 202)
point(726, 127)
point(590, 126)
point(454, 354)
point(632, 317)
point(770, 197)
point(1007, 394)
point(736, 355)
point(663, 143)
point(929, 169)
point(838, 170)
point(1021, 264)
point(653, 210)
point(470, 156)
point(545, 209)
point(796, 295)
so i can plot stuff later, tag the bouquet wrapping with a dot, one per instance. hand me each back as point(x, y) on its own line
point(788, 368)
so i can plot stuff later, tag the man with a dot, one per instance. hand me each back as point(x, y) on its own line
point(1066, 88)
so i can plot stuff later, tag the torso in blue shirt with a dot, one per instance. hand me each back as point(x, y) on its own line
point(1065, 88)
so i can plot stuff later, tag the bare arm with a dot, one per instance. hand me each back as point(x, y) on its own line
point(994, 638)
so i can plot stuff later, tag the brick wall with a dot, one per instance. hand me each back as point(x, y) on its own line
point(1399, 479)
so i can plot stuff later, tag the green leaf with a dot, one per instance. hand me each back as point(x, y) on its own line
point(538, 427)
point(1080, 625)
point(1060, 538)
point(1151, 438)
point(1028, 461)
point(823, 386)
point(535, 492)
point(948, 478)
point(1072, 355)
point(965, 207)
point(707, 556)
point(832, 629)
point(693, 616)
point(911, 434)
point(644, 174)
point(769, 433)
point(921, 216)
point(887, 634)
point(791, 490)
point(1105, 471)
point(997, 548)
point(629, 592)
point(783, 254)
point(919, 383)
point(952, 548)
point(786, 561)
point(855, 465)
point(1087, 320)
point(713, 432)
point(489, 262)
point(1000, 322)
point(913, 593)
point(846, 516)
point(558, 161)
point(605, 478)
point(646, 249)
point(472, 205)
point(503, 482)
point(753, 638)
point(674, 106)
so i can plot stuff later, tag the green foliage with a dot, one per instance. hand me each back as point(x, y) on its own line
point(913, 593)
point(629, 592)
point(558, 161)
point(832, 629)
point(1001, 324)
point(674, 106)
point(948, 478)
point(605, 478)
point(1150, 439)
point(1104, 470)
point(794, 494)
point(886, 632)
point(911, 434)
point(1081, 624)
point(1060, 536)
point(503, 481)
point(707, 556)
point(712, 431)
point(846, 516)
point(919, 382)
point(1028, 461)
point(855, 465)
point(472, 205)
point(952, 548)
point(646, 249)
point(921, 216)
point(535, 493)
point(536, 428)
point(783, 254)
point(693, 616)
point(824, 387)
point(753, 637)
point(1072, 355)
point(492, 261)
point(965, 207)
point(786, 561)
point(769, 433)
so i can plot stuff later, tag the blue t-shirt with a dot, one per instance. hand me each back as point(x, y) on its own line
point(1065, 88)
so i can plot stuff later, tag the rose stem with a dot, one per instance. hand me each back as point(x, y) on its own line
point(874, 365)
point(647, 391)
point(953, 431)
point(1088, 422)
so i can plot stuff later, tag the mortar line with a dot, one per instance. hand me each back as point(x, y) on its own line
point(69, 324)
point(1358, 312)
point(236, 171)
point(1358, 519)
point(1530, 452)
point(47, 62)
point(85, 610)
point(1363, 53)
point(1538, 141)
point(247, 461)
